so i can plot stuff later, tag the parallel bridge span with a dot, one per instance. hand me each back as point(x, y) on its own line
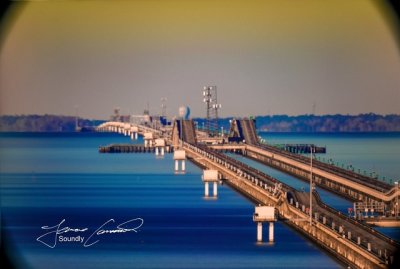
point(352, 187)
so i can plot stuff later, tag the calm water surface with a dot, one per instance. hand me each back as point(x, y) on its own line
point(46, 178)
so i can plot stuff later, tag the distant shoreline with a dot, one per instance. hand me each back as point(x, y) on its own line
point(362, 123)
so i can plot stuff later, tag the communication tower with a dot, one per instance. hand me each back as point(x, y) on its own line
point(212, 107)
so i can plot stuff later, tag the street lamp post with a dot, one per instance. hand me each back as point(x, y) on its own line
point(216, 107)
point(208, 100)
point(311, 180)
point(397, 199)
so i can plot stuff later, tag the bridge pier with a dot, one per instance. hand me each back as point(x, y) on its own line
point(134, 132)
point(179, 155)
point(160, 145)
point(210, 176)
point(259, 231)
point(271, 231)
point(264, 214)
point(148, 139)
point(206, 189)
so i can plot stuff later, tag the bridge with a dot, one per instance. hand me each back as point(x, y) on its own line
point(380, 197)
point(350, 240)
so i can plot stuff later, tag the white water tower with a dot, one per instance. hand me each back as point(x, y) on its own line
point(184, 112)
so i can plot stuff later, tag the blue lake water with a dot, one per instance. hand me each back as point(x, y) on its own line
point(46, 178)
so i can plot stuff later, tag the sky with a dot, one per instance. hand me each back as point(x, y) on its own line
point(265, 57)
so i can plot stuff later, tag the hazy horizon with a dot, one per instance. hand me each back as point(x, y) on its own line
point(203, 117)
point(266, 57)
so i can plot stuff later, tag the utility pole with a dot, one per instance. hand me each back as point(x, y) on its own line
point(311, 180)
point(76, 119)
point(397, 199)
point(164, 107)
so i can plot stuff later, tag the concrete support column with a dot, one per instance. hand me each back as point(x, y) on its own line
point(132, 136)
point(349, 235)
point(291, 201)
point(179, 155)
point(146, 143)
point(358, 240)
point(206, 189)
point(259, 231)
point(215, 189)
point(324, 220)
point(369, 246)
point(333, 226)
point(297, 204)
point(136, 136)
point(156, 151)
point(176, 165)
point(271, 231)
point(162, 151)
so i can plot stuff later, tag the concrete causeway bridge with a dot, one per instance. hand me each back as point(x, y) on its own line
point(349, 239)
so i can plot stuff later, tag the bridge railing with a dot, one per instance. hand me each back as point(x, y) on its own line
point(353, 221)
point(329, 221)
